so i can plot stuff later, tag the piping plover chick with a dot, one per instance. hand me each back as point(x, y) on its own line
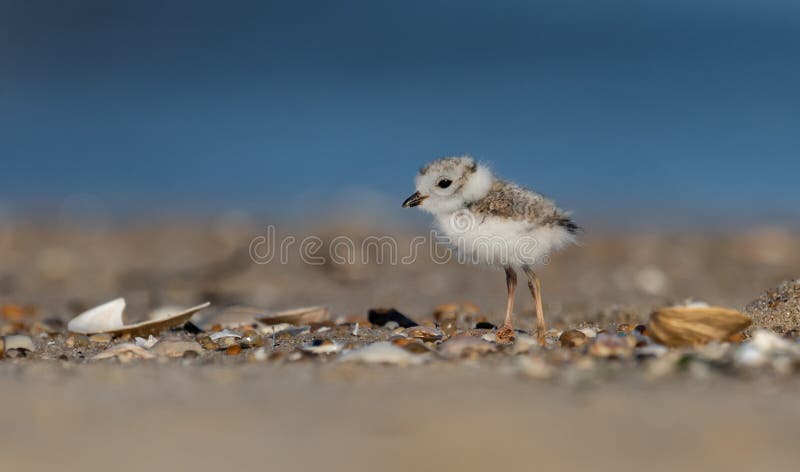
point(493, 222)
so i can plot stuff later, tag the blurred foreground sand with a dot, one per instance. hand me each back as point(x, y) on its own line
point(169, 417)
point(459, 416)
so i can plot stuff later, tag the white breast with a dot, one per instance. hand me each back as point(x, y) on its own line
point(501, 242)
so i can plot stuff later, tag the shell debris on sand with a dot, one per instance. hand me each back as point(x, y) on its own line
point(125, 352)
point(777, 309)
point(108, 318)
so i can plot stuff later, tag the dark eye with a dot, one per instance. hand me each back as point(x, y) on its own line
point(444, 183)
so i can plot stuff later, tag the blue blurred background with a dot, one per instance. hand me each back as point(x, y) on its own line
point(652, 112)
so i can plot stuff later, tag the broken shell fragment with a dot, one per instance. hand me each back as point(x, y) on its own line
point(176, 348)
point(107, 318)
point(146, 343)
point(76, 341)
point(424, 333)
point(414, 346)
point(695, 325)
point(297, 316)
point(125, 352)
point(18, 341)
point(225, 333)
point(384, 353)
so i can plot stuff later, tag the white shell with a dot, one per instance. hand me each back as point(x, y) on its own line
point(125, 350)
point(99, 319)
point(17, 341)
point(107, 318)
point(225, 333)
point(146, 343)
point(384, 353)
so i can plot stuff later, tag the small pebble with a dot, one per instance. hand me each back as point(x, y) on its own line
point(572, 338)
point(251, 339)
point(234, 350)
point(76, 341)
point(448, 326)
point(625, 328)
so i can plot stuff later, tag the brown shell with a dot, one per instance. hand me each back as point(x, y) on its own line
point(690, 326)
point(297, 316)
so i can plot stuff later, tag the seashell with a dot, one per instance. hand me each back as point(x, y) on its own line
point(107, 318)
point(589, 332)
point(572, 338)
point(146, 343)
point(384, 353)
point(18, 341)
point(424, 333)
point(462, 346)
point(125, 351)
point(176, 348)
point(297, 316)
point(695, 325)
point(275, 329)
point(322, 347)
point(414, 346)
point(225, 333)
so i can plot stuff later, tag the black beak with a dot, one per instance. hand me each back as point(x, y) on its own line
point(414, 200)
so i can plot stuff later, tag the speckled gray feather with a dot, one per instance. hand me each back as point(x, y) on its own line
point(508, 200)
